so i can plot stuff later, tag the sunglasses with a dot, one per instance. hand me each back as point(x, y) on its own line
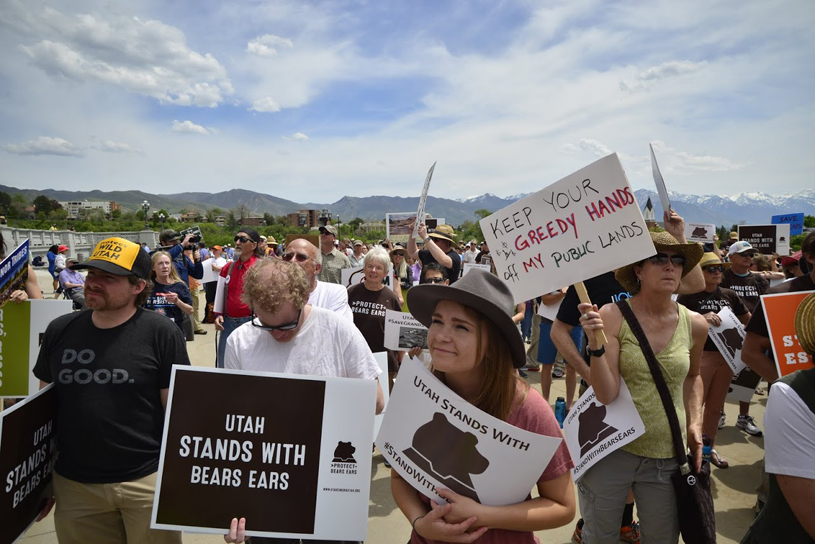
point(662, 258)
point(299, 257)
point(746, 255)
point(285, 327)
point(713, 269)
point(433, 280)
point(398, 254)
point(242, 239)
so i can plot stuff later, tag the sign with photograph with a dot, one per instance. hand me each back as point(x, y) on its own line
point(296, 465)
point(767, 239)
point(13, 272)
point(423, 199)
point(21, 329)
point(579, 227)
point(779, 310)
point(794, 220)
point(27, 448)
point(700, 232)
point(660, 183)
point(593, 430)
point(403, 331)
point(729, 337)
point(434, 438)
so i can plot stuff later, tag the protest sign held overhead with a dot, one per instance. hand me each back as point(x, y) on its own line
point(291, 477)
point(593, 430)
point(423, 199)
point(700, 232)
point(581, 226)
point(729, 337)
point(27, 448)
point(794, 220)
point(767, 239)
point(13, 272)
point(779, 311)
point(660, 183)
point(403, 331)
point(434, 438)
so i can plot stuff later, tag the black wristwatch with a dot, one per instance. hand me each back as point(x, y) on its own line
point(596, 352)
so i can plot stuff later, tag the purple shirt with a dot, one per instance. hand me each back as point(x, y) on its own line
point(71, 276)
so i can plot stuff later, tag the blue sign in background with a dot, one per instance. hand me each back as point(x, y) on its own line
point(795, 220)
point(12, 264)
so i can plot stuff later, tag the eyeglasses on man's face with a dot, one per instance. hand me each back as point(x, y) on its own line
point(299, 257)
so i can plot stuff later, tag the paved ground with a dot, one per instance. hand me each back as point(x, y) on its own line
point(733, 488)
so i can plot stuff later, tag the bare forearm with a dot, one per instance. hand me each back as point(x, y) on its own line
point(606, 384)
point(561, 337)
point(534, 515)
point(693, 390)
point(406, 498)
point(441, 257)
point(412, 248)
point(754, 355)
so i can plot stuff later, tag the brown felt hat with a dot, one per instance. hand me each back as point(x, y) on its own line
point(662, 240)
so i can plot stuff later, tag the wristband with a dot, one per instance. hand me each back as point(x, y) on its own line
point(413, 525)
point(596, 352)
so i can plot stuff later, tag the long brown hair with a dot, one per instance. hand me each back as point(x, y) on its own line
point(498, 393)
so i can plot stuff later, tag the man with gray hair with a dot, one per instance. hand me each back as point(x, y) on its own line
point(330, 296)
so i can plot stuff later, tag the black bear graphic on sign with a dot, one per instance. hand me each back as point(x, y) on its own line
point(699, 232)
point(344, 453)
point(732, 340)
point(592, 428)
point(448, 454)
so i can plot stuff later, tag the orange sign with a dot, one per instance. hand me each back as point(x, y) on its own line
point(779, 310)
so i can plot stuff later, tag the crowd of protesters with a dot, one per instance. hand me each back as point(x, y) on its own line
point(284, 308)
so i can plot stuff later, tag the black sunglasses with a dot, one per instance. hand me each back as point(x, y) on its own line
point(285, 327)
point(714, 268)
point(662, 258)
point(299, 257)
point(243, 239)
point(433, 280)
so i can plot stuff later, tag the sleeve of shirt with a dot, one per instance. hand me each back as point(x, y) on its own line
point(737, 305)
point(42, 369)
point(536, 416)
point(175, 251)
point(184, 293)
point(196, 270)
point(174, 352)
point(339, 304)
point(568, 312)
point(789, 427)
point(763, 284)
point(758, 322)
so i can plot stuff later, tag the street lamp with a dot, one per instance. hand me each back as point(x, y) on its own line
point(145, 206)
point(162, 217)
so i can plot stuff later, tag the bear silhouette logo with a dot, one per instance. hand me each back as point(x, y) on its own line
point(344, 453)
point(592, 427)
point(732, 340)
point(448, 454)
point(699, 232)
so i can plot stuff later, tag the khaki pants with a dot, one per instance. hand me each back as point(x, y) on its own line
point(195, 313)
point(107, 513)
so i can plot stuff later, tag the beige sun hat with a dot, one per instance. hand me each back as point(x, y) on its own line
point(805, 324)
point(662, 240)
point(711, 259)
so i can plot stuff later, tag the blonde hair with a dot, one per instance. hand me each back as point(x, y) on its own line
point(270, 283)
point(174, 277)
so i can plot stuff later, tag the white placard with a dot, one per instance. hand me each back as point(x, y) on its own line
point(209, 274)
point(700, 232)
point(355, 275)
point(42, 313)
point(466, 267)
point(579, 227)
point(729, 337)
point(660, 183)
point(434, 438)
point(220, 296)
point(593, 430)
point(549, 311)
point(423, 200)
point(403, 331)
point(382, 359)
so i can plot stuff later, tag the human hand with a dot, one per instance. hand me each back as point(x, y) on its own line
point(186, 241)
point(237, 531)
point(219, 323)
point(713, 319)
point(675, 225)
point(591, 321)
point(414, 352)
point(422, 231)
point(432, 526)
point(463, 508)
point(18, 296)
point(695, 446)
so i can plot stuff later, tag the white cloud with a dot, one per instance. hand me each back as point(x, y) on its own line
point(188, 127)
point(45, 145)
point(666, 70)
point(267, 45)
point(297, 137)
point(592, 146)
point(109, 146)
point(266, 104)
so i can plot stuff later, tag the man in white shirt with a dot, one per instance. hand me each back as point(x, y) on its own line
point(330, 296)
point(470, 253)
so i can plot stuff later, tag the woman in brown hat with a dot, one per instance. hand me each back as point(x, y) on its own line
point(476, 349)
point(716, 373)
point(677, 337)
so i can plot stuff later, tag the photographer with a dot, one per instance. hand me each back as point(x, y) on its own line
point(185, 266)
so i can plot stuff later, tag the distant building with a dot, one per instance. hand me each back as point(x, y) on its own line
point(220, 220)
point(305, 218)
point(76, 208)
point(253, 221)
point(649, 215)
point(190, 217)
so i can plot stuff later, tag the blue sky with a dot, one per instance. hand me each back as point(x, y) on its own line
point(310, 101)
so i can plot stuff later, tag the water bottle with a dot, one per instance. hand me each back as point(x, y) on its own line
point(560, 410)
point(706, 447)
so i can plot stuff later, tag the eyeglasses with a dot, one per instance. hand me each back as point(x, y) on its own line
point(714, 269)
point(398, 254)
point(433, 280)
point(256, 322)
point(299, 257)
point(662, 258)
point(242, 239)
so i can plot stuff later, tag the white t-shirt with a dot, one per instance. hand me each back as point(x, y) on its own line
point(789, 434)
point(332, 296)
point(326, 345)
point(469, 256)
point(218, 262)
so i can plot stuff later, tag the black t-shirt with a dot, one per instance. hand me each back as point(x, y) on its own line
point(749, 288)
point(452, 273)
point(158, 302)
point(704, 303)
point(110, 417)
point(758, 323)
point(369, 308)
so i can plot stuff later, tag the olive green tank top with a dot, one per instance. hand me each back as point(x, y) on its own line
point(675, 361)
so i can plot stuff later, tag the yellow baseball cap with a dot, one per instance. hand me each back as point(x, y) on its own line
point(118, 256)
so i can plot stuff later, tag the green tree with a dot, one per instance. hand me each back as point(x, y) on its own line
point(482, 213)
point(116, 215)
point(42, 204)
point(809, 221)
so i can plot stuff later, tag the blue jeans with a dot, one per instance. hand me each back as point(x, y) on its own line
point(230, 324)
point(526, 324)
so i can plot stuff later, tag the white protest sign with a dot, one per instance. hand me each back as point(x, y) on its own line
point(579, 227)
point(423, 200)
point(209, 274)
point(729, 337)
point(782, 239)
point(304, 476)
point(593, 430)
point(473, 266)
point(660, 183)
point(434, 438)
point(403, 331)
point(700, 232)
point(220, 296)
point(355, 275)
point(549, 311)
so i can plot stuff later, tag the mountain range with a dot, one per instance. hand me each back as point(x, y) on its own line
point(745, 208)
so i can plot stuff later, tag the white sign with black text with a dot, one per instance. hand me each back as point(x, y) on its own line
point(729, 337)
point(403, 331)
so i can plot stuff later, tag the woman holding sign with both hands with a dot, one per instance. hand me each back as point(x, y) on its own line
point(476, 349)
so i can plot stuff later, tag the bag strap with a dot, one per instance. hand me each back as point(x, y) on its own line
point(659, 381)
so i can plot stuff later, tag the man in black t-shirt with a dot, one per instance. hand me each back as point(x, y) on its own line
point(111, 368)
point(438, 248)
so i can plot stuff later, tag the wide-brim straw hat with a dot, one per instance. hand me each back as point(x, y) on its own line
point(483, 292)
point(804, 323)
point(711, 259)
point(444, 232)
point(662, 241)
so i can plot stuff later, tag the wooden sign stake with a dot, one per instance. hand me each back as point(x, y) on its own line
point(599, 335)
